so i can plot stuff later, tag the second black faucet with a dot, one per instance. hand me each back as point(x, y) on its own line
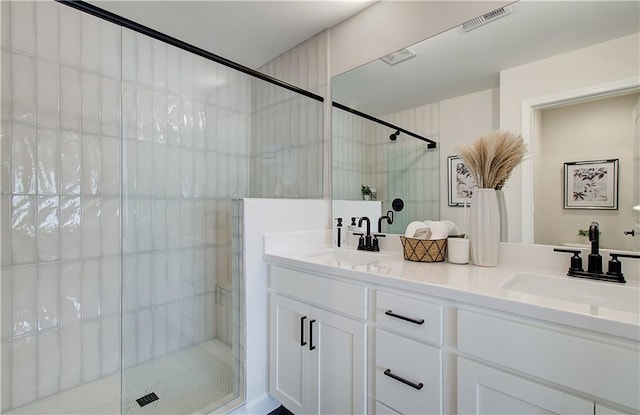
point(367, 242)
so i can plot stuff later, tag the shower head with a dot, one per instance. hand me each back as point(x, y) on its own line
point(394, 136)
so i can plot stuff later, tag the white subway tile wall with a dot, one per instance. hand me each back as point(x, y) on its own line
point(60, 200)
point(286, 129)
point(363, 154)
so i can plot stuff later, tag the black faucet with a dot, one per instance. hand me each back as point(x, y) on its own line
point(594, 267)
point(367, 238)
point(595, 259)
point(388, 217)
point(367, 242)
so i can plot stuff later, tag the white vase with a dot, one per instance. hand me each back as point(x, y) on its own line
point(504, 222)
point(484, 227)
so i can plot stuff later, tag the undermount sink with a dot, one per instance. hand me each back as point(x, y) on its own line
point(348, 255)
point(353, 259)
point(592, 293)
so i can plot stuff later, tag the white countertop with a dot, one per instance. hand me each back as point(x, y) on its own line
point(480, 286)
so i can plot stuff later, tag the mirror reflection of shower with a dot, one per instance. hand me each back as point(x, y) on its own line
point(404, 168)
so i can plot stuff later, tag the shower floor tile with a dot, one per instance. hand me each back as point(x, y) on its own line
point(193, 380)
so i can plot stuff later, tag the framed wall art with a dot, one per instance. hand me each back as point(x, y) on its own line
point(461, 184)
point(591, 184)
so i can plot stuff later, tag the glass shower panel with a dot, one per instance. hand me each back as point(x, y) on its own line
point(197, 137)
point(186, 125)
point(60, 210)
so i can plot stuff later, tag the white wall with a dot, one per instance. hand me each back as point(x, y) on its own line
point(387, 26)
point(462, 119)
point(593, 130)
point(605, 62)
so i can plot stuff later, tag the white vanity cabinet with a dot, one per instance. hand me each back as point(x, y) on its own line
point(345, 343)
point(408, 357)
point(317, 343)
point(508, 364)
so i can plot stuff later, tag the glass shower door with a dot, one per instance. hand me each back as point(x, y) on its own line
point(185, 134)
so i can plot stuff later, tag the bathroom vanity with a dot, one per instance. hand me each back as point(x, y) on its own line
point(357, 332)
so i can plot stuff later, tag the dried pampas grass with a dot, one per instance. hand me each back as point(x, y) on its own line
point(492, 157)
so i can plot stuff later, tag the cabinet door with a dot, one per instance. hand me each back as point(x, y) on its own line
point(484, 390)
point(288, 353)
point(338, 364)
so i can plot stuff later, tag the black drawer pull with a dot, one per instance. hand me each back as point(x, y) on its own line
point(302, 342)
point(311, 346)
point(417, 386)
point(409, 319)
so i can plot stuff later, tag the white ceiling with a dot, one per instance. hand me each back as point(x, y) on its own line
point(248, 32)
point(455, 63)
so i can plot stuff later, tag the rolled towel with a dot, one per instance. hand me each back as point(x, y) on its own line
point(453, 229)
point(439, 229)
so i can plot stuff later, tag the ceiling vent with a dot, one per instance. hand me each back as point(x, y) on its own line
point(486, 18)
point(398, 56)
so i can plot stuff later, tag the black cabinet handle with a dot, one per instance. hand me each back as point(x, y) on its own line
point(302, 342)
point(409, 319)
point(311, 346)
point(417, 386)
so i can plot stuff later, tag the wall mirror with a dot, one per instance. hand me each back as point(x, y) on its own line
point(565, 74)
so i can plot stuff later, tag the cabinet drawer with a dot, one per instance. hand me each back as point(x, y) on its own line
point(335, 295)
point(584, 364)
point(414, 362)
point(417, 318)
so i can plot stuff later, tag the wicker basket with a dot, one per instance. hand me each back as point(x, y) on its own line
point(421, 250)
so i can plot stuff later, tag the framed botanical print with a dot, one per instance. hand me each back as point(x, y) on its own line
point(461, 184)
point(591, 184)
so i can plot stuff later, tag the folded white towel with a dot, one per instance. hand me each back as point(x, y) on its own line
point(412, 228)
point(423, 233)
